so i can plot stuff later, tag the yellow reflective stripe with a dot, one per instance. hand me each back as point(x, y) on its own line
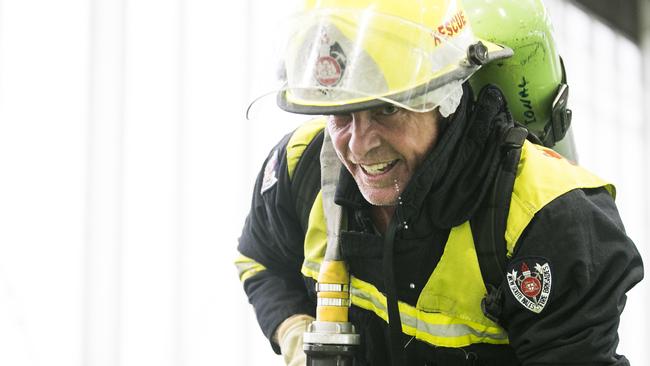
point(299, 141)
point(435, 328)
point(247, 267)
point(310, 269)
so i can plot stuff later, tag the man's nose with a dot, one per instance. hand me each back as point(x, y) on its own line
point(364, 136)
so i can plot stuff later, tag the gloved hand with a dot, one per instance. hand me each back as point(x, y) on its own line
point(289, 336)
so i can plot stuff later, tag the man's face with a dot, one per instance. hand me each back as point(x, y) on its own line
point(382, 148)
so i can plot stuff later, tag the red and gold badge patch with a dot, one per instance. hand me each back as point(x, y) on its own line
point(530, 281)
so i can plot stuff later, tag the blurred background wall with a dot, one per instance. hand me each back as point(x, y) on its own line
point(126, 167)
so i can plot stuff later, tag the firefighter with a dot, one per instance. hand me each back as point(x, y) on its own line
point(430, 165)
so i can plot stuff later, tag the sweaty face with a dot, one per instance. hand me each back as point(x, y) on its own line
point(382, 148)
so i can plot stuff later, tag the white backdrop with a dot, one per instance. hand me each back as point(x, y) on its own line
point(126, 169)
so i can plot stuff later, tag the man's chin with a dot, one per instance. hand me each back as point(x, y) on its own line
point(380, 197)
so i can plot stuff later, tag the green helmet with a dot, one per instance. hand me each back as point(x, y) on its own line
point(533, 80)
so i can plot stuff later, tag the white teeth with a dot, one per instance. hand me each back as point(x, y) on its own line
point(376, 168)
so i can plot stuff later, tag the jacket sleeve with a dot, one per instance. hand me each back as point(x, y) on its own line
point(271, 248)
point(593, 264)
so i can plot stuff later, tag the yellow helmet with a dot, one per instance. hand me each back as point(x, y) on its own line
point(346, 55)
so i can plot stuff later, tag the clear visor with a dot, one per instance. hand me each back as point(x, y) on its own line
point(341, 57)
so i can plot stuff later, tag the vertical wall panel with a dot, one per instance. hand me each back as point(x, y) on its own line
point(13, 330)
point(216, 195)
point(43, 107)
point(149, 305)
point(644, 21)
point(104, 185)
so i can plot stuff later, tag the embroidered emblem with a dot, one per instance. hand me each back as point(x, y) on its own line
point(270, 172)
point(530, 281)
point(330, 64)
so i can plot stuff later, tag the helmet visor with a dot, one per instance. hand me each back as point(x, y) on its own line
point(342, 59)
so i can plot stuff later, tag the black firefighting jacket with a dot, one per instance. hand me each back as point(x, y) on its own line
point(579, 234)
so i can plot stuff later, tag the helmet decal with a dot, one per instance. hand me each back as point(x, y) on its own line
point(453, 25)
point(331, 62)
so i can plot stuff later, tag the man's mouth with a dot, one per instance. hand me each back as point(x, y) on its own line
point(379, 168)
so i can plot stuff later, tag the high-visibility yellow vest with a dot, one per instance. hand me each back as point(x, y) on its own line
point(448, 311)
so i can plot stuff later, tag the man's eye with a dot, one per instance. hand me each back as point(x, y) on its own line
point(340, 119)
point(388, 110)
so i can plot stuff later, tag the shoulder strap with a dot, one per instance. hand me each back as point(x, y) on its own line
point(489, 224)
point(305, 184)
